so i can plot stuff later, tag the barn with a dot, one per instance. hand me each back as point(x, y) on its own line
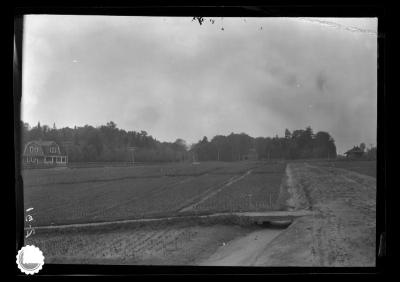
point(355, 152)
point(43, 153)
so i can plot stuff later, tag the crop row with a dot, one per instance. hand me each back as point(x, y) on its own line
point(118, 200)
point(42, 177)
point(256, 192)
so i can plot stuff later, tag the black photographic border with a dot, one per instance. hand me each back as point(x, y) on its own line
point(272, 9)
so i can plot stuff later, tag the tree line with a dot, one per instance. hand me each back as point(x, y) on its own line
point(106, 143)
point(109, 143)
point(299, 144)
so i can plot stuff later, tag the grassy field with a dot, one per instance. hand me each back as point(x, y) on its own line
point(67, 196)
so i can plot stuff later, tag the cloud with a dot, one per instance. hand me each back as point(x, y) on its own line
point(175, 78)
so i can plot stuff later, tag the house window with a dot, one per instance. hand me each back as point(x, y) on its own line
point(37, 149)
point(58, 159)
point(31, 149)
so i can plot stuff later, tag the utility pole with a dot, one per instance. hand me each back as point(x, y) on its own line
point(132, 149)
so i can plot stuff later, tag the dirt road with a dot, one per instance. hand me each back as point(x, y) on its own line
point(242, 251)
point(340, 231)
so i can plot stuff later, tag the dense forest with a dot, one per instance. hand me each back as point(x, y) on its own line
point(299, 144)
point(109, 143)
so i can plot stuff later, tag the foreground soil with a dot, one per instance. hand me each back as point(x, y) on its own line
point(163, 244)
point(342, 229)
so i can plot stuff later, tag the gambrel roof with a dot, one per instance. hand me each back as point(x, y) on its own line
point(43, 148)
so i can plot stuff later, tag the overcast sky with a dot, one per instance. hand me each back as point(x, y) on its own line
point(176, 79)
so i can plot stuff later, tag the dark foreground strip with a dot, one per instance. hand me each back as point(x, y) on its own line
point(236, 217)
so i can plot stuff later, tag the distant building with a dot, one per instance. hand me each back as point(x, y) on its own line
point(44, 153)
point(251, 155)
point(355, 152)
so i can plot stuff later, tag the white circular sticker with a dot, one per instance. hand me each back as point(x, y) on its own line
point(30, 259)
